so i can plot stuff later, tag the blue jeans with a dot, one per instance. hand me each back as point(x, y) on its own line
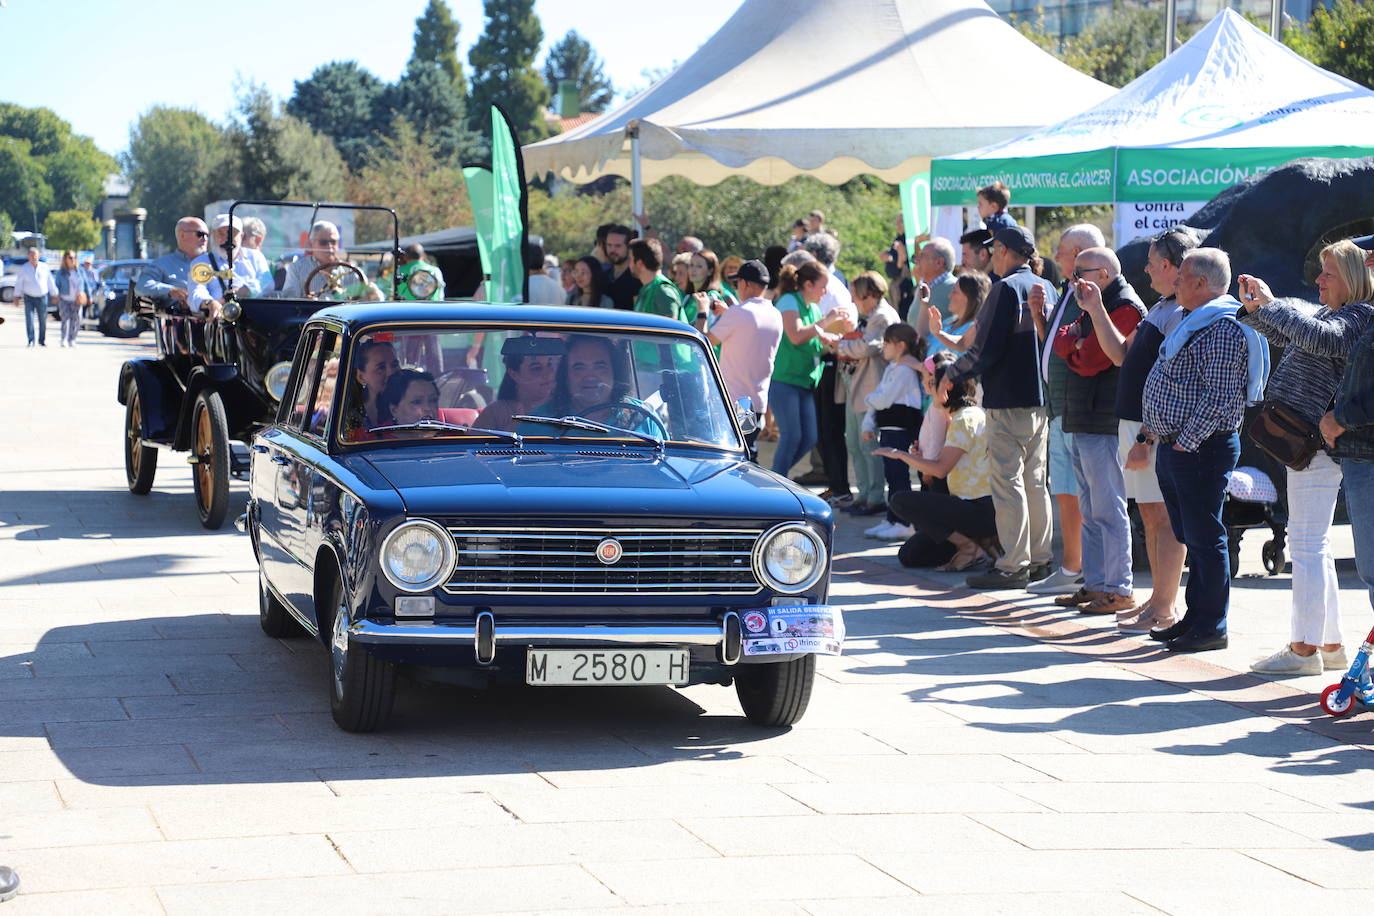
point(1194, 486)
point(896, 473)
point(1106, 526)
point(794, 409)
point(36, 318)
point(1359, 502)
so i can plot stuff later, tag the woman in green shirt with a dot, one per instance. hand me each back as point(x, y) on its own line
point(797, 367)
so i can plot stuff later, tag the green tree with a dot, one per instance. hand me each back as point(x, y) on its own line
point(70, 169)
point(573, 59)
point(503, 69)
point(6, 230)
point(344, 101)
point(436, 42)
point(280, 157)
point(1339, 39)
point(407, 172)
point(1116, 48)
point(172, 154)
point(74, 229)
point(27, 194)
point(426, 99)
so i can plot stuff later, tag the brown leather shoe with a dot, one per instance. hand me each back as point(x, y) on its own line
point(1108, 603)
point(1082, 596)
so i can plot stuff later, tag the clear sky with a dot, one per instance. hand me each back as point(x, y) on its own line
point(101, 63)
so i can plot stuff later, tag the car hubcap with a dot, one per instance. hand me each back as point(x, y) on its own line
point(338, 647)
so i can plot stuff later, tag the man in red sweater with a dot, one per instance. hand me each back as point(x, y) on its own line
point(1090, 415)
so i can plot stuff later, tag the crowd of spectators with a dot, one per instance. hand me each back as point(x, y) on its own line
point(977, 393)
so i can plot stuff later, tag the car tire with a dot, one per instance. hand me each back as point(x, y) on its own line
point(276, 621)
point(211, 458)
point(362, 686)
point(140, 461)
point(776, 695)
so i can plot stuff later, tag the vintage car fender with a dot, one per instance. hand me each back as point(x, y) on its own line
point(159, 392)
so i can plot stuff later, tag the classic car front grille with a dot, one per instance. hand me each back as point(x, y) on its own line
point(563, 561)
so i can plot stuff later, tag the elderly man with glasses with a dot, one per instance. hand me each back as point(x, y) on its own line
point(1090, 417)
point(324, 250)
point(169, 277)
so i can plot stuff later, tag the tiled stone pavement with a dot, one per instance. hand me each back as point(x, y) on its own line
point(159, 754)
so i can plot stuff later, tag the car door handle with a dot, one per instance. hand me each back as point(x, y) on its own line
point(258, 447)
point(281, 459)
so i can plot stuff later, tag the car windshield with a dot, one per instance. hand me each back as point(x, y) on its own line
point(121, 272)
point(636, 388)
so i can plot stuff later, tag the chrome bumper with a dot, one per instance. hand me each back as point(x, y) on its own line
point(485, 635)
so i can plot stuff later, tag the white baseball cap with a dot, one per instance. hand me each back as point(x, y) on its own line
point(223, 220)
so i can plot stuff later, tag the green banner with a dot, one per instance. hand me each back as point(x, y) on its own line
point(507, 222)
point(915, 196)
point(478, 181)
point(1071, 178)
point(1115, 176)
point(1201, 174)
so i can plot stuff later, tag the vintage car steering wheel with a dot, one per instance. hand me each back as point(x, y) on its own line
point(626, 405)
point(335, 279)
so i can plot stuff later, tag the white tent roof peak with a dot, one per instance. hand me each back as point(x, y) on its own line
point(832, 88)
point(1229, 86)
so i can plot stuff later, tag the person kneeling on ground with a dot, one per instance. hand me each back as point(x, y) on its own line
point(964, 516)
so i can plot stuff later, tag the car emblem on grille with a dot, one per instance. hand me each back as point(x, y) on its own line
point(609, 551)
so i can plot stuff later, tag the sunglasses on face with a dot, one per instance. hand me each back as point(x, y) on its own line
point(1078, 272)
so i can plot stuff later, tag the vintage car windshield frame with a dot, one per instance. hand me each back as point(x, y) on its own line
point(687, 335)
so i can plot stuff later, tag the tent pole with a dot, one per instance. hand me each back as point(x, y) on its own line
point(1170, 22)
point(636, 177)
point(1276, 19)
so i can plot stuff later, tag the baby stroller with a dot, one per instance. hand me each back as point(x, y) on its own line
point(1339, 699)
point(1257, 497)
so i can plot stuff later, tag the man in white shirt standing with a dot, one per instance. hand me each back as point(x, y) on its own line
point(748, 334)
point(543, 289)
point(35, 283)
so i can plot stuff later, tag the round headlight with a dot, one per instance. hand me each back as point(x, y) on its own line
point(422, 284)
point(417, 556)
point(790, 558)
point(276, 379)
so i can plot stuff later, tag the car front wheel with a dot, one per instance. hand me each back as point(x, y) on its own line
point(210, 458)
point(363, 686)
point(777, 694)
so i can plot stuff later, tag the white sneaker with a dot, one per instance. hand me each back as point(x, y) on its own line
point(1057, 583)
point(893, 531)
point(1334, 660)
point(1286, 661)
point(876, 531)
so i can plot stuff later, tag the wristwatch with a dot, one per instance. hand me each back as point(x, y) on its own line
point(1143, 439)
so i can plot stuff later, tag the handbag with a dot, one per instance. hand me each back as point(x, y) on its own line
point(1285, 436)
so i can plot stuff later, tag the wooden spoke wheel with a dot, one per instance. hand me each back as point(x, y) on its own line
point(331, 281)
point(140, 461)
point(210, 458)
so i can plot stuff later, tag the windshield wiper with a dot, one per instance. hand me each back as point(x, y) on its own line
point(438, 425)
point(593, 426)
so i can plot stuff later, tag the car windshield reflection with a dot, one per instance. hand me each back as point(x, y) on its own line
point(549, 384)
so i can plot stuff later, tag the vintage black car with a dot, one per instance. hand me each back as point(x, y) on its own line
point(553, 496)
point(116, 278)
point(217, 379)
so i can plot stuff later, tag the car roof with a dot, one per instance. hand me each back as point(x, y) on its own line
point(422, 312)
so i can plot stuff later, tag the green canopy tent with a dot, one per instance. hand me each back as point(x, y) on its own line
point(1230, 103)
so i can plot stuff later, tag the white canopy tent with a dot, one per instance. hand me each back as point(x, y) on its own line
point(1230, 103)
point(830, 88)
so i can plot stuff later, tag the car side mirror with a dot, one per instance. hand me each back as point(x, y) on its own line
point(744, 414)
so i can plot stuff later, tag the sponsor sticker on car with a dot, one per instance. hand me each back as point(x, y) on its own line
point(816, 629)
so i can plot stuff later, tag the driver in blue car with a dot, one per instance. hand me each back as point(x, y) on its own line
point(593, 382)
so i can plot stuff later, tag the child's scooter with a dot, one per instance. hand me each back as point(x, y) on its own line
point(1339, 699)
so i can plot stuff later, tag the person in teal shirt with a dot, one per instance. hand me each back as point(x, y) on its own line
point(658, 295)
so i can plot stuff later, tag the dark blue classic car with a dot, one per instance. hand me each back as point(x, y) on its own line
point(557, 496)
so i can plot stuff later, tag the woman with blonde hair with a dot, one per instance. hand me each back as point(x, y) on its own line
point(1317, 340)
point(74, 291)
point(797, 366)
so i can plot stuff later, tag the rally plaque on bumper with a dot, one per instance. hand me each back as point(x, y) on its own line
point(605, 667)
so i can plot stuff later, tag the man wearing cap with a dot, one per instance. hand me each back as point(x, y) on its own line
point(748, 334)
point(1007, 361)
point(249, 267)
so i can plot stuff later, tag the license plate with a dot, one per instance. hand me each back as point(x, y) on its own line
point(605, 667)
